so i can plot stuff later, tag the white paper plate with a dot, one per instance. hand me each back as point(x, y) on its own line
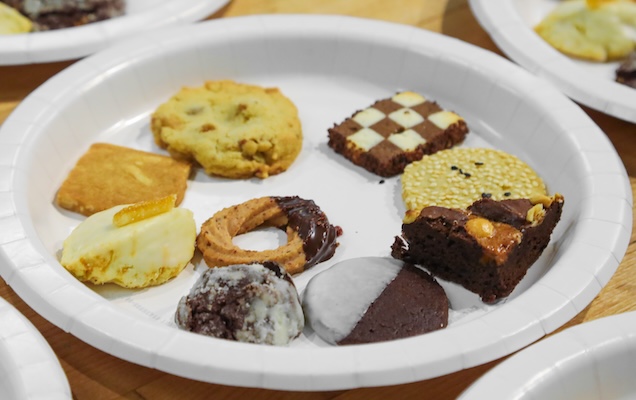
point(29, 369)
point(510, 25)
point(329, 67)
point(77, 42)
point(595, 360)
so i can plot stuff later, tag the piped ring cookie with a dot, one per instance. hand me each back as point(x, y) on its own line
point(310, 237)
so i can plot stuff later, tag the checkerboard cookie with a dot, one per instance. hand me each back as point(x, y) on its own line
point(232, 130)
point(394, 132)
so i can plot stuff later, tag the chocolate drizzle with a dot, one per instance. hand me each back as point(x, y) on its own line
point(313, 227)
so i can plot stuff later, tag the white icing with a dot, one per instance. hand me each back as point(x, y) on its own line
point(406, 117)
point(336, 299)
point(365, 138)
point(368, 117)
point(407, 140)
point(408, 99)
point(443, 119)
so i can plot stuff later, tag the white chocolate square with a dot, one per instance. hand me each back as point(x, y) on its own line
point(408, 99)
point(368, 117)
point(365, 138)
point(406, 117)
point(443, 119)
point(407, 140)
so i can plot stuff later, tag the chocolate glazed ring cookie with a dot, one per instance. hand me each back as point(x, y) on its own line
point(310, 237)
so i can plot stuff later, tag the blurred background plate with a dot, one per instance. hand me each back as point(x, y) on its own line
point(329, 66)
point(77, 42)
point(510, 25)
point(594, 360)
point(29, 369)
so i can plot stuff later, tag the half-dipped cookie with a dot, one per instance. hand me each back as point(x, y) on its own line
point(373, 299)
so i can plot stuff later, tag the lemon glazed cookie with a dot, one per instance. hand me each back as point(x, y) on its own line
point(231, 129)
point(134, 246)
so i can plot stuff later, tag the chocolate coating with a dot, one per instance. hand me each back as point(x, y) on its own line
point(412, 304)
point(313, 227)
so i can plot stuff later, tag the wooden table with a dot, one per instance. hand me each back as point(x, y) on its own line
point(96, 375)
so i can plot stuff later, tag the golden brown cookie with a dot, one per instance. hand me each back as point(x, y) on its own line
point(231, 129)
point(108, 175)
point(456, 178)
point(310, 237)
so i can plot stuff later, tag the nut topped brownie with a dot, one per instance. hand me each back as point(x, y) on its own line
point(487, 248)
point(387, 136)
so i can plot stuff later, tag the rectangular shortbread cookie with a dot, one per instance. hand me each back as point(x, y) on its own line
point(108, 175)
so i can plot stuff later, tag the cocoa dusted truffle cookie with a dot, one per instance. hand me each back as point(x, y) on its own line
point(394, 132)
point(487, 248)
point(255, 303)
point(373, 299)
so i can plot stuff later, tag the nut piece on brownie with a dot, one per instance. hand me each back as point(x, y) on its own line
point(487, 248)
point(387, 136)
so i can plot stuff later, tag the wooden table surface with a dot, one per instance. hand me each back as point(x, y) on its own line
point(96, 375)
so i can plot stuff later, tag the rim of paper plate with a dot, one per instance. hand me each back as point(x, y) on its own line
point(31, 370)
point(594, 359)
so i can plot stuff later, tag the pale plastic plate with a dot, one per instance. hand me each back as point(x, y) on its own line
point(510, 25)
point(595, 360)
point(77, 42)
point(330, 66)
point(29, 369)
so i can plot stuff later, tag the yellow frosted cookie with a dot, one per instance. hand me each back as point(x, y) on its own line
point(457, 177)
point(231, 129)
point(591, 30)
point(12, 22)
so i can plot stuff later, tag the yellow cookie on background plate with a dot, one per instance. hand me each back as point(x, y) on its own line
point(591, 33)
point(12, 22)
point(231, 129)
point(457, 177)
